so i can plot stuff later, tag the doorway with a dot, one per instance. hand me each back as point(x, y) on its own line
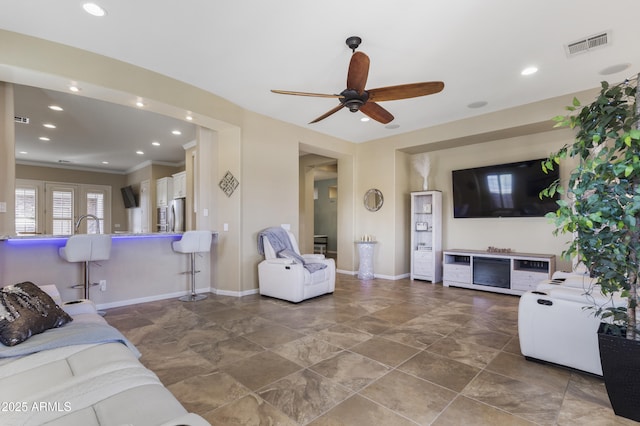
point(319, 204)
point(325, 215)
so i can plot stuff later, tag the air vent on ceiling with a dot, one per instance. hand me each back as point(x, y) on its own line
point(588, 43)
point(23, 120)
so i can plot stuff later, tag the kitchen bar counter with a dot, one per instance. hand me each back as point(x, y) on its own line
point(114, 235)
point(141, 268)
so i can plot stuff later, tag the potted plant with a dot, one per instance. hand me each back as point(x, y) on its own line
point(601, 209)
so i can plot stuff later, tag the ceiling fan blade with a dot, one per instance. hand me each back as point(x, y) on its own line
point(376, 112)
point(358, 72)
point(318, 95)
point(405, 91)
point(328, 113)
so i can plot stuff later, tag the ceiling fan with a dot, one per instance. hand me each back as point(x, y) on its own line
point(356, 98)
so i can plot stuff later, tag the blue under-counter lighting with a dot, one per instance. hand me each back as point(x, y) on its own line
point(44, 239)
point(141, 236)
point(34, 240)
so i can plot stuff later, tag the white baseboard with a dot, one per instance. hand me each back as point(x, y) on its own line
point(234, 293)
point(221, 292)
point(154, 298)
point(381, 276)
point(175, 295)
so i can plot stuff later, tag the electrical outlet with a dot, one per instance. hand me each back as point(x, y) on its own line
point(103, 285)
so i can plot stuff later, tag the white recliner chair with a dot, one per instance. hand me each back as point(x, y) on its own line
point(555, 324)
point(286, 274)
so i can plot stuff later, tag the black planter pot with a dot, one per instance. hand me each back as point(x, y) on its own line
point(620, 360)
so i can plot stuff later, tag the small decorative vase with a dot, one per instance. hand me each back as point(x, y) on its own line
point(425, 183)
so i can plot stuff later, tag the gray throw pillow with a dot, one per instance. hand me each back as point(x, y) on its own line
point(26, 310)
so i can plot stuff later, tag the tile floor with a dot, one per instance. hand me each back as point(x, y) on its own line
point(373, 353)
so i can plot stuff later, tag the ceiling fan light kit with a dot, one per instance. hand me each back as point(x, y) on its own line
point(355, 98)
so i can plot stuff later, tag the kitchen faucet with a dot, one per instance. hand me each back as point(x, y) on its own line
point(85, 216)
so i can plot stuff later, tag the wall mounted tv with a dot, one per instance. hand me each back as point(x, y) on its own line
point(129, 197)
point(503, 190)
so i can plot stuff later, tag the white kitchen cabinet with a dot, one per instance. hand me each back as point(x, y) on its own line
point(180, 185)
point(164, 191)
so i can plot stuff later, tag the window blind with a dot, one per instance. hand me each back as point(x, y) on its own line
point(26, 220)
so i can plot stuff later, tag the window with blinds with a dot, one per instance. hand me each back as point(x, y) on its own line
point(26, 208)
point(62, 212)
point(95, 206)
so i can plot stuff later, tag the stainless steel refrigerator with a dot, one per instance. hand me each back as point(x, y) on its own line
point(177, 215)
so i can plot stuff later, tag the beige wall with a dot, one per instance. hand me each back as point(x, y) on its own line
point(528, 235)
point(54, 174)
point(264, 154)
point(403, 209)
point(119, 216)
point(7, 159)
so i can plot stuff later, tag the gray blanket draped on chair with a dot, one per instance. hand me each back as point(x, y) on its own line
point(279, 240)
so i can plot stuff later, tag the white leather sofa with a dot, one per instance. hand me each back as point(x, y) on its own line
point(288, 278)
point(556, 325)
point(92, 383)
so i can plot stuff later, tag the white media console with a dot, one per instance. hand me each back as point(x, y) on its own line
point(510, 273)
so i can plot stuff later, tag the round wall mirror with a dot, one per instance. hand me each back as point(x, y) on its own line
point(373, 200)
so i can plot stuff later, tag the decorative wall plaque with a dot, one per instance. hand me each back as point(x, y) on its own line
point(228, 184)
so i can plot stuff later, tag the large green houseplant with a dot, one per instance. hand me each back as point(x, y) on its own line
point(601, 205)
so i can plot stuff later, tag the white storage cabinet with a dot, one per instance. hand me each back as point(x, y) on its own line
point(509, 273)
point(426, 236)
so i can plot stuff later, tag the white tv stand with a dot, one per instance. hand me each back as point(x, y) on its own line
point(509, 273)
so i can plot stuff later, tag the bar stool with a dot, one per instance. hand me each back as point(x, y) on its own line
point(193, 242)
point(86, 248)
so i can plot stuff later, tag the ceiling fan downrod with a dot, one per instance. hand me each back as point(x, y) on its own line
point(353, 42)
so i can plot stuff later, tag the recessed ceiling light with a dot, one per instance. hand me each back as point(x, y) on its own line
point(139, 104)
point(140, 152)
point(154, 143)
point(477, 104)
point(55, 108)
point(105, 162)
point(189, 118)
point(74, 88)
point(94, 9)
point(176, 132)
point(391, 126)
point(49, 125)
point(365, 119)
point(44, 138)
point(613, 69)
point(529, 71)
point(23, 152)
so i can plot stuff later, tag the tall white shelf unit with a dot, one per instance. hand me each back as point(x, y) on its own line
point(426, 236)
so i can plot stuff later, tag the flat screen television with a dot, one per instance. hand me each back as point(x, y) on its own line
point(129, 197)
point(503, 190)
